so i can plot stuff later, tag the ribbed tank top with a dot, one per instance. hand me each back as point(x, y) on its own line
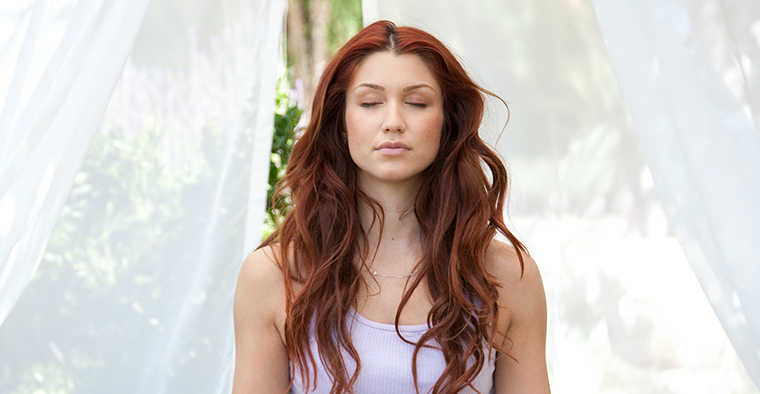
point(387, 361)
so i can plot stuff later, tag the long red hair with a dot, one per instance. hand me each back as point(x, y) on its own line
point(459, 208)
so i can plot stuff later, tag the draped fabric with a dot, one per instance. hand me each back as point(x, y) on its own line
point(159, 202)
point(699, 140)
point(60, 63)
point(626, 313)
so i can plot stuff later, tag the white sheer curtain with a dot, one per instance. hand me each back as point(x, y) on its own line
point(59, 65)
point(134, 290)
point(699, 139)
point(626, 313)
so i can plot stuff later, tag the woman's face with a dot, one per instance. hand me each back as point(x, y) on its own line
point(394, 114)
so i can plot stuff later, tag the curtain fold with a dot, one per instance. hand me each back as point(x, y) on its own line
point(67, 58)
point(699, 141)
point(135, 286)
point(270, 40)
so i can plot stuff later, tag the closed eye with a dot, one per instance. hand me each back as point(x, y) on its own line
point(368, 105)
point(418, 105)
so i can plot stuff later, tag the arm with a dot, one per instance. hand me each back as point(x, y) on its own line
point(261, 360)
point(522, 305)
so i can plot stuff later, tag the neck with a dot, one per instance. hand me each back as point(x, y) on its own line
point(399, 238)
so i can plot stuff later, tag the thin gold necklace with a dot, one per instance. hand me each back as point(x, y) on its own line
point(375, 273)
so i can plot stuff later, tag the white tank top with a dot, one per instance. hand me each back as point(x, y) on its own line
point(387, 361)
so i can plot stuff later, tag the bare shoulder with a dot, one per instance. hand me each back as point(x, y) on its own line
point(260, 285)
point(261, 359)
point(522, 324)
point(503, 262)
point(261, 263)
point(521, 291)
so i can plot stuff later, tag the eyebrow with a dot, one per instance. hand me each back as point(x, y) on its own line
point(371, 86)
point(406, 89)
point(422, 85)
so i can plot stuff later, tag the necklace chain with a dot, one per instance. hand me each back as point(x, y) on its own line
point(375, 273)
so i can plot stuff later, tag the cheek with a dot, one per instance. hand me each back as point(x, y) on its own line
point(353, 124)
point(353, 134)
point(435, 131)
point(358, 130)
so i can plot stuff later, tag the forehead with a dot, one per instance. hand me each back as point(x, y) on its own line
point(394, 71)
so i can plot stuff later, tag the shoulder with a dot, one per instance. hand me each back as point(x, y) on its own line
point(260, 290)
point(522, 322)
point(521, 290)
point(261, 269)
point(503, 262)
point(261, 358)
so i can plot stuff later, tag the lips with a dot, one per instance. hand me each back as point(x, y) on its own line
point(393, 145)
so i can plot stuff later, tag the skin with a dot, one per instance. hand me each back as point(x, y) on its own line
point(392, 98)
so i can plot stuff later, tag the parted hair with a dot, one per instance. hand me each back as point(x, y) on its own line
point(459, 205)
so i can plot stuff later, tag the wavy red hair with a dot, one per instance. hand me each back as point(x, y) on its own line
point(459, 207)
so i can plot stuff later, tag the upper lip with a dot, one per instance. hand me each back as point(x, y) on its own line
point(393, 145)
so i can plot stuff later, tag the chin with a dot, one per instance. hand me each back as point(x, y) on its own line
point(392, 175)
point(416, 178)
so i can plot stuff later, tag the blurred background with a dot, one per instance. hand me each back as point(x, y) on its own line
point(145, 169)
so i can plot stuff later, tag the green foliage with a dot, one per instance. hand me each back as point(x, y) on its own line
point(286, 118)
point(345, 21)
point(136, 213)
point(127, 181)
point(44, 379)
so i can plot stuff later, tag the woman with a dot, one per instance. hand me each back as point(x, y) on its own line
point(385, 277)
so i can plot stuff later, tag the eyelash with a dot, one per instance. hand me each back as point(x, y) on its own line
point(370, 105)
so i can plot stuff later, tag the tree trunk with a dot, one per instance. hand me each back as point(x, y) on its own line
point(299, 53)
point(319, 16)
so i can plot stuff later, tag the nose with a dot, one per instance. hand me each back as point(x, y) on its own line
point(394, 119)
